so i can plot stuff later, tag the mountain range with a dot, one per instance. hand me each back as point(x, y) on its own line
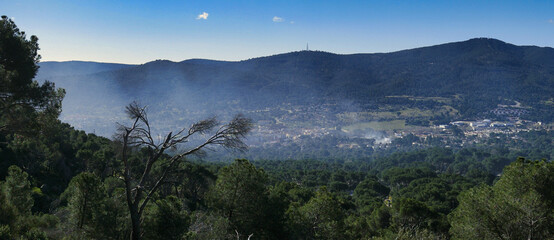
point(477, 75)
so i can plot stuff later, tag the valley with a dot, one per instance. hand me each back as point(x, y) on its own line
point(350, 101)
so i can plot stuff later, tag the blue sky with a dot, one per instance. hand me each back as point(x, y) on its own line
point(142, 31)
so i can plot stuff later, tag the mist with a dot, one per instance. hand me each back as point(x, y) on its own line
point(300, 96)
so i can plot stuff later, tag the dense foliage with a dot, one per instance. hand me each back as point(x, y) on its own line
point(24, 103)
point(401, 195)
point(303, 199)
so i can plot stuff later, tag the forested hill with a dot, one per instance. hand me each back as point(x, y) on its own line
point(479, 68)
point(479, 73)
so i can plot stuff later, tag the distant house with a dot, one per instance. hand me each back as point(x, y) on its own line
point(480, 124)
point(460, 123)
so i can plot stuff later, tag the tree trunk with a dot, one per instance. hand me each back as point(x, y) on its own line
point(135, 222)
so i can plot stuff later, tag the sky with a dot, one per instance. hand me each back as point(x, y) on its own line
point(140, 31)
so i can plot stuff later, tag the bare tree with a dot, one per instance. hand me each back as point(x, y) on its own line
point(139, 190)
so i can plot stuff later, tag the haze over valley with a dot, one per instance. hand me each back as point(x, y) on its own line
point(353, 101)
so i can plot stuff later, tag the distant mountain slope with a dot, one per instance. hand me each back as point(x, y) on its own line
point(478, 67)
point(48, 69)
point(480, 72)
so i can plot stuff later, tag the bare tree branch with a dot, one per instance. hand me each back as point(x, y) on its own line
point(139, 135)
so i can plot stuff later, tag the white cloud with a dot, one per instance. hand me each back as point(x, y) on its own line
point(291, 22)
point(204, 16)
point(278, 19)
point(551, 21)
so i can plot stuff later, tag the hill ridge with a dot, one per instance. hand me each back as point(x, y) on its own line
point(472, 40)
point(481, 73)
